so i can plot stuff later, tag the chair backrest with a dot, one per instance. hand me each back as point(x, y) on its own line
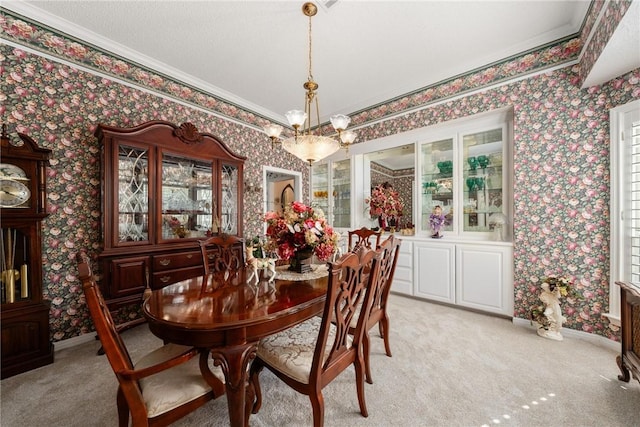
point(222, 252)
point(112, 343)
point(347, 290)
point(389, 249)
point(364, 237)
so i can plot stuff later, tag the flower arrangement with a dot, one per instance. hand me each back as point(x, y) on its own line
point(300, 228)
point(384, 202)
point(561, 287)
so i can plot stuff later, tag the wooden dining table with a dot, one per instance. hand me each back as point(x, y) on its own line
point(227, 316)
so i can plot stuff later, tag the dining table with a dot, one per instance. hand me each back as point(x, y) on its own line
point(225, 316)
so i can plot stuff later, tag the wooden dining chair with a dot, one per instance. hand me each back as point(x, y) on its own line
point(364, 237)
point(313, 353)
point(164, 385)
point(222, 253)
point(378, 312)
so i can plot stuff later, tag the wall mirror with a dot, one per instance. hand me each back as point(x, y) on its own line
point(397, 167)
point(280, 187)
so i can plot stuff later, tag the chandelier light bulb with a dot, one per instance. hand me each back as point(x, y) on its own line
point(296, 118)
point(340, 122)
point(347, 137)
point(273, 130)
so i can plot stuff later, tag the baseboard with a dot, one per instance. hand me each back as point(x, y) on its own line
point(72, 342)
point(598, 340)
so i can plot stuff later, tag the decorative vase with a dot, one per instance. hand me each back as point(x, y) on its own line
point(382, 223)
point(301, 261)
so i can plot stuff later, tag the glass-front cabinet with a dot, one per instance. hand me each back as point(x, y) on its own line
point(331, 191)
point(463, 176)
point(163, 187)
point(455, 178)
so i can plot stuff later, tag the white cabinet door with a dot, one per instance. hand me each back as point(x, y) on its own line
point(434, 271)
point(403, 276)
point(483, 276)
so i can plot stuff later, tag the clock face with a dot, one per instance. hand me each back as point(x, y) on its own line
point(13, 193)
point(7, 170)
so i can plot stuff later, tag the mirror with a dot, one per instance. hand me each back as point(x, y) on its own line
point(281, 187)
point(397, 167)
point(287, 196)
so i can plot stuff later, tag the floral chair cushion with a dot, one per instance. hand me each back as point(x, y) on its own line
point(176, 386)
point(291, 351)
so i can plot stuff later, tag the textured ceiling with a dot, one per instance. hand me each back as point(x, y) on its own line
point(254, 53)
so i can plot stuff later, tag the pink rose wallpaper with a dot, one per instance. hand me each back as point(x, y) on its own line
point(560, 166)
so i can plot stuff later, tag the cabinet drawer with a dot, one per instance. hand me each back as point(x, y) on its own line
point(176, 260)
point(161, 279)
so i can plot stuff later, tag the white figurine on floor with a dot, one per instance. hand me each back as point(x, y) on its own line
point(553, 313)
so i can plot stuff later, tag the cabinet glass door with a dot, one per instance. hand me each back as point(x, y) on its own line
point(188, 202)
point(482, 178)
point(133, 194)
point(341, 193)
point(320, 187)
point(229, 202)
point(438, 180)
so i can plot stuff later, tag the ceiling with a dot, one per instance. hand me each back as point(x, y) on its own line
point(255, 53)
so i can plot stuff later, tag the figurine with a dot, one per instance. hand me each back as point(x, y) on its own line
point(436, 221)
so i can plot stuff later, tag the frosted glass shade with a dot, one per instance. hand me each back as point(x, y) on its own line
point(348, 136)
point(296, 118)
point(311, 148)
point(340, 121)
point(273, 130)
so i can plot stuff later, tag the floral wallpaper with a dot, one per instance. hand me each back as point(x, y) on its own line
point(561, 149)
point(59, 107)
point(595, 44)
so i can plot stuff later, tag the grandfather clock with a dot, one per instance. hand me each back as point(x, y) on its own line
point(24, 315)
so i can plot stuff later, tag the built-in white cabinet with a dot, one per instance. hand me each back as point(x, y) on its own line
point(464, 167)
point(473, 275)
point(483, 277)
point(435, 271)
point(403, 276)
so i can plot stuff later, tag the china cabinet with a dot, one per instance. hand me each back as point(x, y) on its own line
point(331, 191)
point(164, 187)
point(24, 314)
point(464, 168)
point(463, 174)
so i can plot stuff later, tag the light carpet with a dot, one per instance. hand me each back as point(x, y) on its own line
point(450, 367)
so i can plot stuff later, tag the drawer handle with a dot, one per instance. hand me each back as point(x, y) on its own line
point(165, 279)
point(165, 262)
point(189, 256)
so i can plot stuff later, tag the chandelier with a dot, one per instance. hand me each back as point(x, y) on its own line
point(304, 144)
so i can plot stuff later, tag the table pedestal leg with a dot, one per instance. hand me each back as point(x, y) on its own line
point(234, 361)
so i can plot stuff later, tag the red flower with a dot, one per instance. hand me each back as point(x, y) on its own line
point(300, 227)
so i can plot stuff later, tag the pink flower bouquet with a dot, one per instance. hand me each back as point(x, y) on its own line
point(300, 228)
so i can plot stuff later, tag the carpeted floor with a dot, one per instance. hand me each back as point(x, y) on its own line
point(450, 367)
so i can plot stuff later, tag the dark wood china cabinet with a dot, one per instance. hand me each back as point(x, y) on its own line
point(629, 358)
point(163, 188)
point(24, 313)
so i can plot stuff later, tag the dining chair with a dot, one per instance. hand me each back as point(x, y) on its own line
point(363, 237)
point(222, 253)
point(378, 315)
point(164, 385)
point(310, 355)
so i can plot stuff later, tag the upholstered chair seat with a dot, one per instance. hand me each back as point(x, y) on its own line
point(174, 387)
point(291, 351)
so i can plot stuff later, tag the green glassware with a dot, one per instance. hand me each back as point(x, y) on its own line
point(473, 163)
